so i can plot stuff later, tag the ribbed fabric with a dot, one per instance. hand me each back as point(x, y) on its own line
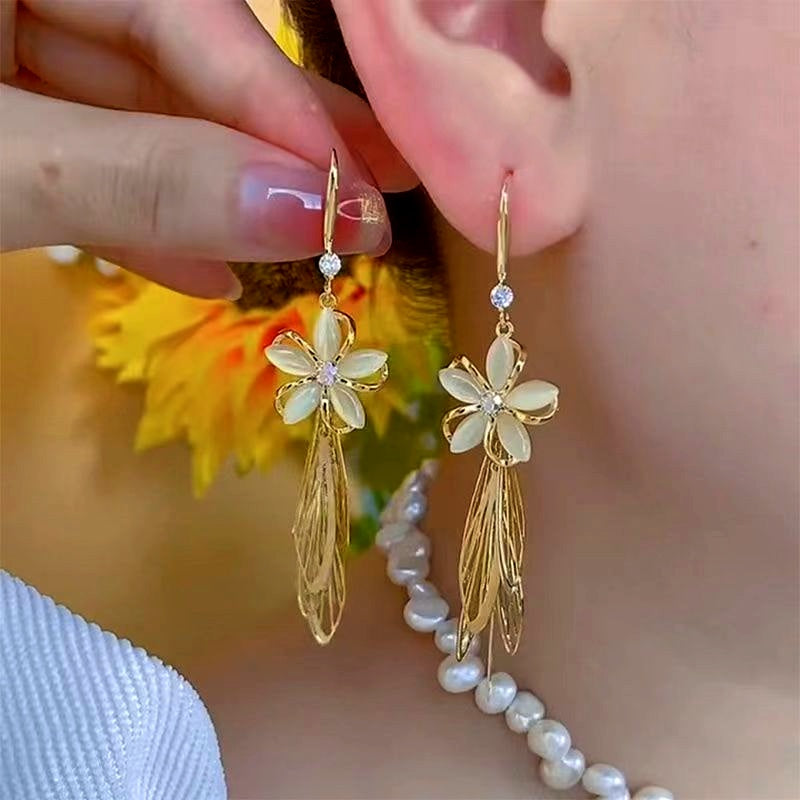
point(86, 716)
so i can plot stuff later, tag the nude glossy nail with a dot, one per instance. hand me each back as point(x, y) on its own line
point(280, 211)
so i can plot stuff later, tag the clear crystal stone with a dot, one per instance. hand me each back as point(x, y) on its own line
point(502, 296)
point(491, 403)
point(330, 264)
point(326, 376)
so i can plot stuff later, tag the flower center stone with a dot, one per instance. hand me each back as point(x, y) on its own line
point(491, 403)
point(326, 375)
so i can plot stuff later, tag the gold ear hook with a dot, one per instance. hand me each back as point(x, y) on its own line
point(503, 234)
point(331, 201)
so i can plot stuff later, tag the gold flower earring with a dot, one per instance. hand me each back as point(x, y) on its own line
point(496, 413)
point(328, 375)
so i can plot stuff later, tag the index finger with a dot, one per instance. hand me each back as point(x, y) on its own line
point(218, 56)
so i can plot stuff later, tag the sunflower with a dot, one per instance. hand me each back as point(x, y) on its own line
point(208, 383)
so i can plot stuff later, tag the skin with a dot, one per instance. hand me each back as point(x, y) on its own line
point(662, 569)
point(163, 161)
point(654, 216)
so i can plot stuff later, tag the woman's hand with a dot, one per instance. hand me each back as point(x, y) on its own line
point(173, 136)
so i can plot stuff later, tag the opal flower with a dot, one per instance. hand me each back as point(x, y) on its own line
point(329, 373)
point(496, 410)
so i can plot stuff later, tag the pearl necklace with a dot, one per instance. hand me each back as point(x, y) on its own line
point(408, 552)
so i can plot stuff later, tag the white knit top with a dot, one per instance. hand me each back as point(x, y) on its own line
point(87, 716)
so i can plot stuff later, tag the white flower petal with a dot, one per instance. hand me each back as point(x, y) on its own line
point(347, 405)
point(327, 335)
point(291, 360)
point(469, 432)
point(499, 362)
point(513, 436)
point(361, 363)
point(531, 395)
point(460, 385)
point(301, 403)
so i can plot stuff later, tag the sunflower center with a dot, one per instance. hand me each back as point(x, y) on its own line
point(491, 403)
point(326, 374)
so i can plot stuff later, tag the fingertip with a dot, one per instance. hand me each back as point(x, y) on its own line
point(234, 292)
point(210, 280)
point(385, 244)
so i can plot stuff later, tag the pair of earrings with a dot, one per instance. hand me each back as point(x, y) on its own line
point(495, 412)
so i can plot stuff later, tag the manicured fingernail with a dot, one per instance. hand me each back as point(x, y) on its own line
point(280, 209)
point(235, 291)
point(386, 242)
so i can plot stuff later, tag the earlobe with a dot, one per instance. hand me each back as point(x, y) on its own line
point(468, 99)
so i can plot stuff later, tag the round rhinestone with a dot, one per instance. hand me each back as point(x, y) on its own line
point(326, 376)
point(491, 403)
point(330, 264)
point(502, 296)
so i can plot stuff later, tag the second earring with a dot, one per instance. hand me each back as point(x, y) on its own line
point(327, 374)
point(495, 413)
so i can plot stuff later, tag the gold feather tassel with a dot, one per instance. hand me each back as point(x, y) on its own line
point(328, 376)
point(496, 412)
point(321, 532)
point(490, 565)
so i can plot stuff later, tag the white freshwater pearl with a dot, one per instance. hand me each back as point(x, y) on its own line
point(421, 589)
point(493, 695)
point(63, 253)
point(526, 709)
point(404, 570)
point(605, 780)
point(424, 614)
point(446, 638)
point(392, 533)
point(415, 543)
point(549, 739)
point(414, 506)
point(564, 773)
point(106, 268)
point(460, 676)
point(413, 482)
point(389, 514)
point(653, 793)
point(429, 469)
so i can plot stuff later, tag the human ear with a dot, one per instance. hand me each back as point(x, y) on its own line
point(469, 92)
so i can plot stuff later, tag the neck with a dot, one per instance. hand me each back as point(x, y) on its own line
point(649, 630)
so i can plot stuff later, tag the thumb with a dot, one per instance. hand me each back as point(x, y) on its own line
point(114, 179)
